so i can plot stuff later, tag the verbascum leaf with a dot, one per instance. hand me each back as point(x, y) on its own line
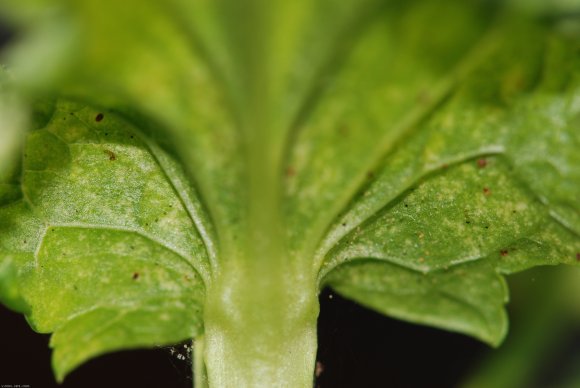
point(453, 299)
point(109, 239)
point(13, 122)
point(491, 176)
point(408, 154)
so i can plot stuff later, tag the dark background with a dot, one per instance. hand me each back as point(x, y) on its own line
point(358, 348)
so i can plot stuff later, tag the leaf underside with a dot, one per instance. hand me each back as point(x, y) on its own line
point(103, 241)
point(416, 169)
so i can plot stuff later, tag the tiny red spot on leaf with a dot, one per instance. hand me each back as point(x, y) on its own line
point(504, 252)
point(99, 117)
point(486, 191)
point(481, 163)
point(578, 256)
point(112, 156)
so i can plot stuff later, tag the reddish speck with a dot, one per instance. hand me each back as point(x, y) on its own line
point(578, 256)
point(481, 163)
point(319, 369)
point(444, 166)
point(135, 275)
point(486, 191)
point(290, 172)
point(99, 117)
point(504, 252)
point(112, 156)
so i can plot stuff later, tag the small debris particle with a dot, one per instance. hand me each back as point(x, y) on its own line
point(504, 252)
point(481, 163)
point(290, 172)
point(486, 226)
point(421, 235)
point(468, 222)
point(444, 166)
point(330, 296)
point(99, 117)
point(344, 224)
point(319, 369)
point(112, 156)
point(578, 256)
point(406, 205)
point(486, 191)
point(135, 275)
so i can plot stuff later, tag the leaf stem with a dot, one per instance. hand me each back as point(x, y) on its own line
point(260, 327)
point(199, 370)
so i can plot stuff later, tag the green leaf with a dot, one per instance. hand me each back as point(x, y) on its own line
point(108, 238)
point(236, 156)
point(453, 299)
point(13, 122)
point(490, 176)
